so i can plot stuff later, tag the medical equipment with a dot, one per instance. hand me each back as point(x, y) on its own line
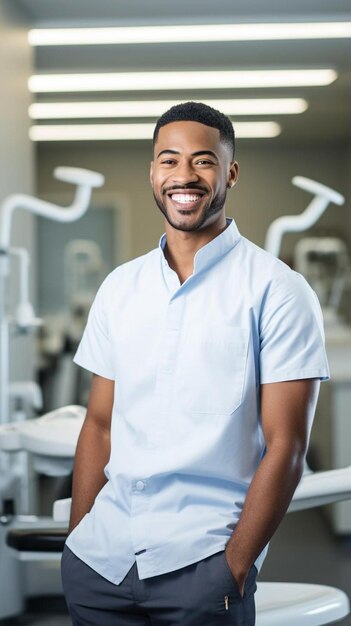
point(84, 271)
point(324, 262)
point(25, 317)
point(330, 439)
point(19, 471)
point(51, 439)
point(84, 180)
point(298, 223)
point(84, 268)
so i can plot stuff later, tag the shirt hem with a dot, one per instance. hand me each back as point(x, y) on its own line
point(116, 581)
point(87, 561)
point(183, 564)
point(296, 375)
point(93, 369)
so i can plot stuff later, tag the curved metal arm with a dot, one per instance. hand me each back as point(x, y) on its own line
point(24, 316)
point(298, 223)
point(85, 181)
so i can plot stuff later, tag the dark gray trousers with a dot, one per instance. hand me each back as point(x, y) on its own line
point(202, 594)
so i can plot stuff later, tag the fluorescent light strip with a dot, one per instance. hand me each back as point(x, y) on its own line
point(93, 132)
point(188, 33)
point(149, 81)
point(155, 108)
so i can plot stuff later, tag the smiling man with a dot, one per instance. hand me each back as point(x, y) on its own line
point(207, 354)
point(190, 201)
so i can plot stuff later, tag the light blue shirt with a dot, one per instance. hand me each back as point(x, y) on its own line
point(188, 361)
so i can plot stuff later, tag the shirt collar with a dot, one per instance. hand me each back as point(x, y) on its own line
point(212, 251)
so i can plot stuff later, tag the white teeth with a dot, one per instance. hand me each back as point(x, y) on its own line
point(185, 198)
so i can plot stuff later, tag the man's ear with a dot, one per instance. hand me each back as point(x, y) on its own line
point(152, 173)
point(233, 174)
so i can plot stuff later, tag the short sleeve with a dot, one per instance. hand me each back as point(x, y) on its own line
point(95, 349)
point(291, 332)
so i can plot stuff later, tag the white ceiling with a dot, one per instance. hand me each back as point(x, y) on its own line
point(328, 116)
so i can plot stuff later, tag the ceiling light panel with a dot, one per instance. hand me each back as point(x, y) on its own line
point(189, 33)
point(175, 80)
point(113, 132)
point(155, 108)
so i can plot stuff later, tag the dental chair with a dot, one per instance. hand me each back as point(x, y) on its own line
point(31, 545)
point(52, 439)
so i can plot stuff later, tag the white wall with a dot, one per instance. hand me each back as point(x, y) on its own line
point(16, 151)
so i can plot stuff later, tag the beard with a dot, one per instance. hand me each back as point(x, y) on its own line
point(209, 210)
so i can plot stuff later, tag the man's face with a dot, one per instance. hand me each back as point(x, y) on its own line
point(190, 174)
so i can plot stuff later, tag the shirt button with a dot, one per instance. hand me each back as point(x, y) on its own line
point(140, 485)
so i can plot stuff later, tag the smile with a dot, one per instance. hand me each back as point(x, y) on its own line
point(183, 198)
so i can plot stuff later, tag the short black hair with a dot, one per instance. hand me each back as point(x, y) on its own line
point(202, 113)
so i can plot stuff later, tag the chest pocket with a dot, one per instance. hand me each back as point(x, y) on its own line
point(212, 368)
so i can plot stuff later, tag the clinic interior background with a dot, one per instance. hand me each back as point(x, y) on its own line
point(315, 144)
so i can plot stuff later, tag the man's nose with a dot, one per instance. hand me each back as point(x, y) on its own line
point(185, 173)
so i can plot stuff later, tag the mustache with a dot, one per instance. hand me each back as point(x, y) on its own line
point(191, 186)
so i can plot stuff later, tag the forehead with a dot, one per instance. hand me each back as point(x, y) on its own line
point(189, 137)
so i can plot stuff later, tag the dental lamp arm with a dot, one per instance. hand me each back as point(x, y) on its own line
point(85, 181)
point(24, 262)
point(298, 223)
point(24, 316)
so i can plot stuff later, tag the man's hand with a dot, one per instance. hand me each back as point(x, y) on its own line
point(240, 577)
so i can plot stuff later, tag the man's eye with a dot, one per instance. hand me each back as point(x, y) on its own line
point(168, 162)
point(204, 162)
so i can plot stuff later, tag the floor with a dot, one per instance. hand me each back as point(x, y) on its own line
point(300, 534)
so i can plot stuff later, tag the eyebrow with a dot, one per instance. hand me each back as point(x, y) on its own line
point(198, 153)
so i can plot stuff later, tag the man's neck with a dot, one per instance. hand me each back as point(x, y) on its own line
point(181, 247)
